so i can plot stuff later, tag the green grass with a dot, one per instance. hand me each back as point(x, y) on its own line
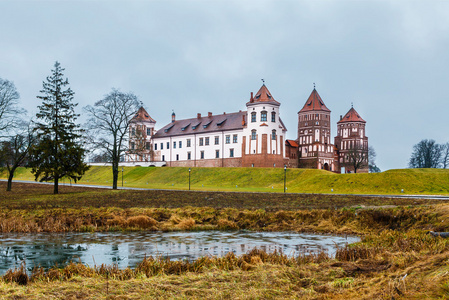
point(412, 181)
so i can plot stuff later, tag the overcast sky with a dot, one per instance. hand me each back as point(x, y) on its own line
point(390, 58)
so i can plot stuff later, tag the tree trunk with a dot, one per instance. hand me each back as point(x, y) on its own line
point(55, 187)
point(114, 176)
point(11, 175)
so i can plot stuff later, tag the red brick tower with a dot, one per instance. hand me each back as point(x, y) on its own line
point(352, 142)
point(314, 139)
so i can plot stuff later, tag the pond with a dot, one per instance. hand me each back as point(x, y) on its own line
point(129, 248)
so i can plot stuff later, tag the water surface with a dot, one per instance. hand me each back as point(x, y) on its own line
point(126, 249)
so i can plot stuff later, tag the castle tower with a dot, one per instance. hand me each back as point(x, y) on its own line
point(264, 133)
point(352, 143)
point(314, 139)
point(141, 129)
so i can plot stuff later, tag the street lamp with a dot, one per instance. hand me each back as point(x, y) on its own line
point(285, 175)
point(122, 176)
point(189, 179)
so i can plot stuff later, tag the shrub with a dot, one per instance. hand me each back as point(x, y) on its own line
point(18, 276)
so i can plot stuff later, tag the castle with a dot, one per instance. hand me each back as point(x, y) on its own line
point(253, 138)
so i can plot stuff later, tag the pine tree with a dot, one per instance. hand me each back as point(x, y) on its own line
point(58, 151)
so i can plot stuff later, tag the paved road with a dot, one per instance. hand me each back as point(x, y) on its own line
point(76, 184)
point(405, 196)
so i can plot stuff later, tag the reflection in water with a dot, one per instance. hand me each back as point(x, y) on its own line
point(129, 248)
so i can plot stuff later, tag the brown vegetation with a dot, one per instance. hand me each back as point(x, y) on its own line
point(384, 266)
point(33, 208)
point(343, 221)
point(395, 260)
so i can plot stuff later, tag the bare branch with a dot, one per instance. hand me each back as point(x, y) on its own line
point(108, 125)
point(9, 111)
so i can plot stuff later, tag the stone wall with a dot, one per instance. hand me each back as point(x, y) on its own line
point(263, 160)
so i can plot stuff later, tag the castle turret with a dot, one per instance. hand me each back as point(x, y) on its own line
point(352, 143)
point(264, 134)
point(314, 138)
point(141, 129)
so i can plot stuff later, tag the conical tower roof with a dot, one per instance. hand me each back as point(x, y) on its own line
point(142, 115)
point(352, 116)
point(314, 103)
point(263, 96)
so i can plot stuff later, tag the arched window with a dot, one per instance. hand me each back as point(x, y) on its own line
point(253, 116)
point(273, 135)
point(253, 134)
point(273, 116)
point(263, 116)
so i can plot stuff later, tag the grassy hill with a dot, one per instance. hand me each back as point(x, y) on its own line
point(413, 181)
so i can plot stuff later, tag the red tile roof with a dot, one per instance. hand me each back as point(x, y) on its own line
point(314, 103)
point(264, 96)
point(142, 115)
point(352, 116)
point(292, 143)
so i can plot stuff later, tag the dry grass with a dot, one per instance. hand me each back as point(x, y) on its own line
point(225, 224)
point(143, 222)
point(186, 224)
point(394, 245)
point(409, 265)
point(341, 221)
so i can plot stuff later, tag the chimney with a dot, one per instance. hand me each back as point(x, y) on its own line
point(209, 114)
point(251, 99)
point(198, 115)
point(173, 117)
point(243, 120)
point(341, 117)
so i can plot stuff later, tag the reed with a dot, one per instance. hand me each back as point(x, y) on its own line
point(18, 275)
point(388, 265)
point(341, 221)
point(155, 266)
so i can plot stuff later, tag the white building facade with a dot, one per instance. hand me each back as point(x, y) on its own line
point(251, 138)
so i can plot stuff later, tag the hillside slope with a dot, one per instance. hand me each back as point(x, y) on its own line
point(412, 181)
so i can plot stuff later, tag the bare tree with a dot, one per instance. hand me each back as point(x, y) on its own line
point(100, 157)
point(14, 152)
point(445, 155)
point(373, 168)
point(426, 154)
point(140, 145)
point(9, 111)
point(357, 157)
point(108, 125)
